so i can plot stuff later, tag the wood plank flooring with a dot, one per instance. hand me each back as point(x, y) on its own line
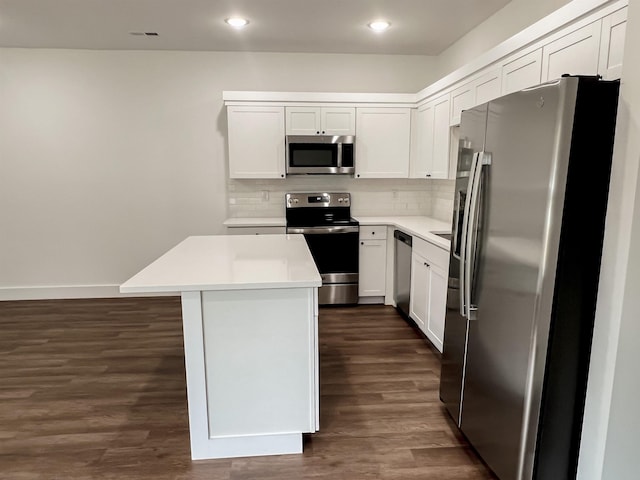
point(95, 389)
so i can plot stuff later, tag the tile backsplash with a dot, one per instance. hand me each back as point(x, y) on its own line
point(369, 197)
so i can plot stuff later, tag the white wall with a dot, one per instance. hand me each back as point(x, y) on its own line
point(109, 158)
point(506, 22)
point(611, 432)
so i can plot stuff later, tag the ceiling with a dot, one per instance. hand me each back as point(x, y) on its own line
point(419, 27)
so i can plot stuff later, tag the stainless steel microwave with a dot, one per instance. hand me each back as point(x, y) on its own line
point(320, 154)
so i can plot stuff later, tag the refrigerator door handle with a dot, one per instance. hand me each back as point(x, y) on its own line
point(456, 226)
point(484, 159)
point(465, 234)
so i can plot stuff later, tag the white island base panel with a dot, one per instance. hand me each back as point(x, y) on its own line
point(252, 370)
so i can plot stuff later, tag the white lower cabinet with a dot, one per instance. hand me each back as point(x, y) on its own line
point(429, 273)
point(373, 261)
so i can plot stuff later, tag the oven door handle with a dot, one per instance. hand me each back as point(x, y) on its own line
point(323, 230)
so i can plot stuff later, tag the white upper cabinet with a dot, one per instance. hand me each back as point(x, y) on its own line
point(479, 90)
point(487, 87)
point(521, 72)
point(256, 142)
point(614, 28)
point(430, 158)
point(575, 53)
point(382, 142)
point(462, 98)
point(321, 121)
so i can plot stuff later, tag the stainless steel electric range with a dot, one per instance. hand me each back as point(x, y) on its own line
point(332, 235)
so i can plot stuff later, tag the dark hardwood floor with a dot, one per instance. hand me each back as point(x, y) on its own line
point(95, 389)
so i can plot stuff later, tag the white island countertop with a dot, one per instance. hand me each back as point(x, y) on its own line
point(229, 262)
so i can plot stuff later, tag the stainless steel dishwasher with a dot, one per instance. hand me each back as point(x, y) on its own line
point(402, 277)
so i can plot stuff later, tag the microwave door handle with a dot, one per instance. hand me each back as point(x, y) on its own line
point(339, 154)
point(464, 235)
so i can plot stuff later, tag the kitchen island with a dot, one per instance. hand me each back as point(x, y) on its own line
point(249, 312)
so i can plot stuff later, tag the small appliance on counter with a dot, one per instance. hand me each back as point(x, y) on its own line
point(333, 239)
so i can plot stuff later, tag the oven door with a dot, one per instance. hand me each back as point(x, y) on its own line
point(335, 251)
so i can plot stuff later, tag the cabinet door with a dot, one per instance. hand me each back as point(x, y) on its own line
point(522, 72)
point(462, 98)
point(576, 53)
point(303, 120)
point(256, 142)
point(418, 304)
point(436, 306)
point(422, 154)
point(441, 138)
point(614, 28)
point(373, 268)
point(487, 87)
point(382, 142)
point(432, 137)
point(338, 121)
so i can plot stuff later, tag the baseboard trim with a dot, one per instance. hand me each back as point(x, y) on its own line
point(70, 292)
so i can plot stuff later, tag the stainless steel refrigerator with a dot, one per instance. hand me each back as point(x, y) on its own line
point(530, 200)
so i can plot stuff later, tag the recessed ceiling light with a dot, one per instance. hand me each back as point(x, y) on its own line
point(237, 22)
point(379, 25)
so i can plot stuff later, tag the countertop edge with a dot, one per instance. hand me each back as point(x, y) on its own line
point(221, 287)
point(255, 222)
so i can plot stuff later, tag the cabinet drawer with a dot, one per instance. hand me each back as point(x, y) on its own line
point(373, 232)
point(432, 253)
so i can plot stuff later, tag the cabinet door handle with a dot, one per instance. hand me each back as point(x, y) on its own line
point(426, 264)
point(361, 243)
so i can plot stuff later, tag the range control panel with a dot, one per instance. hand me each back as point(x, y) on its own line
point(297, 200)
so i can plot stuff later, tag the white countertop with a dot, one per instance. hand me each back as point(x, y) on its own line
point(423, 227)
point(256, 222)
point(420, 226)
point(229, 262)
